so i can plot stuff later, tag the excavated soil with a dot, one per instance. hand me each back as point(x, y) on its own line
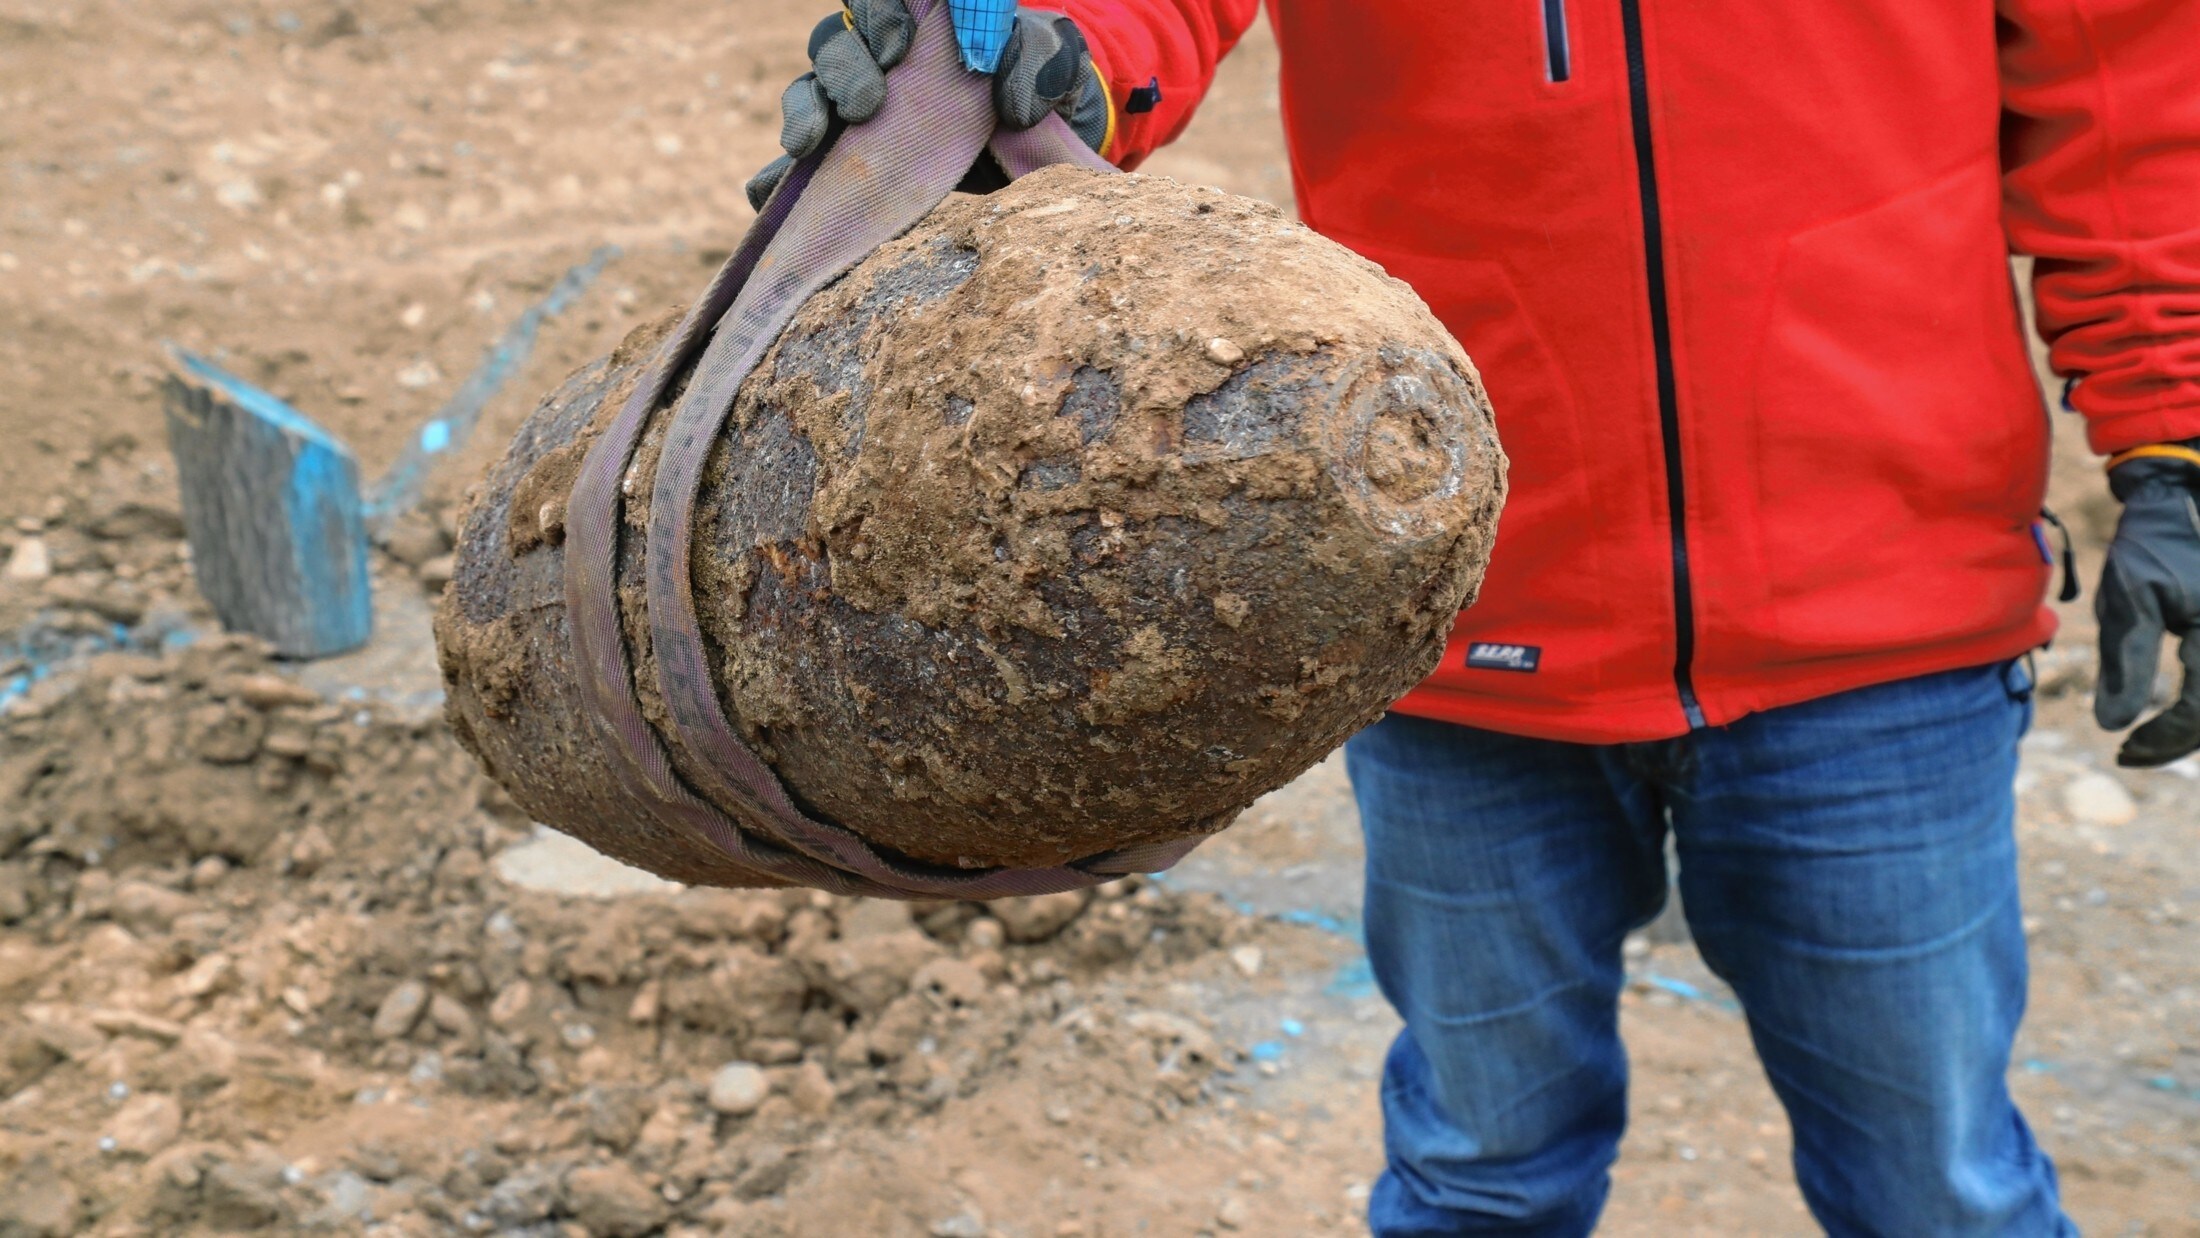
point(261, 936)
point(1077, 519)
point(208, 904)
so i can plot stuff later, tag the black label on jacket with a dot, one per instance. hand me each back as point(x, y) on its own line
point(1527, 659)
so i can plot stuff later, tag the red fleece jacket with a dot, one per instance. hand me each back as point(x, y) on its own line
point(1736, 278)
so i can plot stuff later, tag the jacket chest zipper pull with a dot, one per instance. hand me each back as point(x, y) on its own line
point(1558, 49)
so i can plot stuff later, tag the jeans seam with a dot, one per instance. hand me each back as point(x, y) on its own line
point(1915, 950)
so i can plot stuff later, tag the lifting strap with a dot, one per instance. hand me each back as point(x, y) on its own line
point(867, 186)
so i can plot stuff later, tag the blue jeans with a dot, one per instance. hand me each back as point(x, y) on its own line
point(1848, 865)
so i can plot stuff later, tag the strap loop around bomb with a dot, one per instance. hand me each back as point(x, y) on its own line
point(865, 188)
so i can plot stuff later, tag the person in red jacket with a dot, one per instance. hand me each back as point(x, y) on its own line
point(1737, 280)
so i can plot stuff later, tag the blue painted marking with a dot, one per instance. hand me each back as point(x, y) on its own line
point(399, 488)
point(251, 399)
point(331, 547)
point(1267, 1051)
point(1353, 981)
point(321, 507)
point(1315, 919)
point(48, 650)
point(2039, 1066)
point(1688, 992)
point(1293, 1028)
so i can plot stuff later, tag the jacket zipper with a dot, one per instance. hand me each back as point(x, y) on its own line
point(1661, 333)
point(1558, 50)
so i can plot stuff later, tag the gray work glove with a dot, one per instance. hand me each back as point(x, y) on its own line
point(1045, 68)
point(2151, 589)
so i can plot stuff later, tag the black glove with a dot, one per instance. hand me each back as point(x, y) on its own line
point(2151, 589)
point(1045, 68)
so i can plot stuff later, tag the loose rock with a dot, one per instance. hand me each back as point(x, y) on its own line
point(984, 933)
point(738, 1088)
point(866, 974)
point(951, 982)
point(613, 1201)
point(2099, 799)
point(966, 1224)
point(239, 1195)
point(511, 1003)
point(400, 1012)
point(524, 1198)
point(15, 893)
point(143, 907)
point(135, 1023)
point(769, 1171)
point(147, 1124)
point(39, 1203)
point(812, 1090)
point(436, 573)
point(29, 562)
point(264, 692)
point(451, 1017)
point(874, 917)
point(208, 872)
point(1041, 917)
point(414, 538)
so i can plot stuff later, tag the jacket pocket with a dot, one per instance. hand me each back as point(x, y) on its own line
point(1902, 452)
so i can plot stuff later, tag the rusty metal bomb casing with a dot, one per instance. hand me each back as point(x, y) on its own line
point(1078, 518)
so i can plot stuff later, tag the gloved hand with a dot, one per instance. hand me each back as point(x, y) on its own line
point(2151, 589)
point(1045, 68)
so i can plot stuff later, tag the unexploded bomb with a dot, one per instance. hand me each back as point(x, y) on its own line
point(1077, 518)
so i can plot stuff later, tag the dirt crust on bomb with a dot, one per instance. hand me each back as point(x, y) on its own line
point(1076, 519)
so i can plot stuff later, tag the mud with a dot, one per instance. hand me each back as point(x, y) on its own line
point(1077, 519)
point(176, 175)
point(280, 963)
point(261, 973)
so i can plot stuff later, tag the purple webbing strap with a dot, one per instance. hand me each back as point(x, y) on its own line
point(830, 212)
point(591, 564)
point(1050, 143)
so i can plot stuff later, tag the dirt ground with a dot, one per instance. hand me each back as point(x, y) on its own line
point(273, 956)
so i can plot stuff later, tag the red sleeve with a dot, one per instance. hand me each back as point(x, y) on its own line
point(2101, 151)
point(1139, 42)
